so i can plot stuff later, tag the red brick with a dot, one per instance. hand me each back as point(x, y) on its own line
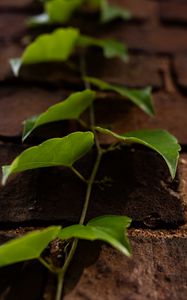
point(13, 3)
point(139, 71)
point(180, 69)
point(150, 198)
point(153, 39)
point(139, 10)
point(122, 117)
point(7, 52)
point(12, 26)
point(173, 11)
point(155, 271)
point(17, 104)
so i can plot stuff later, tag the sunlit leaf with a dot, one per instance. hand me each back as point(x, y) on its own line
point(57, 46)
point(61, 11)
point(158, 140)
point(110, 229)
point(111, 48)
point(142, 98)
point(54, 152)
point(110, 12)
point(71, 108)
point(27, 247)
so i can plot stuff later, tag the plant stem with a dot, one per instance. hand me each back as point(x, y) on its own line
point(45, 264)
point(90, 182)
point(78, 174)
point(60, 283)
point(89, 187)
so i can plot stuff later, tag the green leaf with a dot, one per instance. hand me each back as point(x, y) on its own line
point(57, 46)
point(158, 140)
point(54, 152)
point(110, 229)
point(111, 48)
point(27, 247)
point(110, 12)
point(61, 11)
point(71, 108)
point(142, 98)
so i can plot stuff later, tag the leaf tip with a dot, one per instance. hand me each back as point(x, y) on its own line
point(6, 173)
point(15, 64)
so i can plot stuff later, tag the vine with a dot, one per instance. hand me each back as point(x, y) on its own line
point(59, 46)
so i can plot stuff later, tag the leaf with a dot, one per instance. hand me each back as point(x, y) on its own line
point(61, 11)
point(111, 48)
point(57, 46)
point(27, 247)
point(142, 98)
point(158, 140)
point(54, 152)
point(110, 229)
point(110, 12)
point(71, 108)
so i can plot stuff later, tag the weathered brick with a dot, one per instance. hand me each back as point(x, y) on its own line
point(180, 69)
point(146, 10)
point(139, 71)
point(173, 11)
point(8, 51)
point(148, 197)
point(152, 39)
point(16, 30)
point(155, 271)
point(13, 3)
point(17, 104)
point(121, 117)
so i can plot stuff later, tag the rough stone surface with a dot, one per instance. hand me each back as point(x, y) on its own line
point(156, 270)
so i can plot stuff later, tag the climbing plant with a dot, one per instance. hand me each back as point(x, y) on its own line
point(59, 46)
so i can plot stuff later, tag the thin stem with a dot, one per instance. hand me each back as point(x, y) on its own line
point(90, 182)
point(89, 187)
point(60, 284)
point(45, 264)
point(78, 174)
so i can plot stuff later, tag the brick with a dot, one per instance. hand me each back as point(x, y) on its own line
point(148, 197)
point(7, 52)
point(17, 3)
point(155, 271)
point(149, 38)
point(19, 103)
point(180, 69)
point(51, 73)
point(170, 109)
point(173, 11)
point(139, 71)
point(17, 29)
point(146, 10)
